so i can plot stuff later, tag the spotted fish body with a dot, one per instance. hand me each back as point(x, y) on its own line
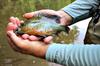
point(43, 27)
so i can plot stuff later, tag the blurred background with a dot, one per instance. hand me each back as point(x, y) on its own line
point(17, 8)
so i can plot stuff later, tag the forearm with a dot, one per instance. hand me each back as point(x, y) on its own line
point(74, 55)
point(80, 9)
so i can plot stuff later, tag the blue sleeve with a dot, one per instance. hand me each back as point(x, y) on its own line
point(80, 9)
point(74, 55)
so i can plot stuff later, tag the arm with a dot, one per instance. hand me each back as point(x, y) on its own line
point(68, 55)
point(74, 55)
point(63, 54)
point(80, 9)
point(70, 14)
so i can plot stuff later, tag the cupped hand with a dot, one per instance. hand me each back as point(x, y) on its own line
point(20, 44)
point(65, 19)
point(35, 48)
point(13, 24)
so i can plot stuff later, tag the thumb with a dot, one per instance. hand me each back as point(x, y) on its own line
point(10, 33)
point(13, 36)
point(48, 39)
point(17, 40)
point(11, 26)
point(28, 15)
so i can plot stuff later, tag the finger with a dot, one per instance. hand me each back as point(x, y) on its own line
point(25, 36)
point(21, 21)
point(12, 19)
point(11, 26)
point(46, 12)
point(20, 43)
point(19, 48)
point(17, 41)
point(13, 46)
point(48, 39)
point(18, 22)
point(28, 15)
point(33, 38)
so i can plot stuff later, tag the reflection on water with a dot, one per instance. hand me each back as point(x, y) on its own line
point(17, 8)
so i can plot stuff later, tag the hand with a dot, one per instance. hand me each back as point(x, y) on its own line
point(65, 18)
point(35, 48)
point(15, 22)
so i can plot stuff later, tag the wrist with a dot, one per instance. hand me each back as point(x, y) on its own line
point(39, 49)
point(66, 17)
point(44, 50)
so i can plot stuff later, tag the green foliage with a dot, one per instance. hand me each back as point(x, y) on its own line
point(65, 38)
point(17, 8)
point(54, 4)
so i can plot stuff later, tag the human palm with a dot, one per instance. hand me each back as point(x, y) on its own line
point(30, 44)
point(24, 44)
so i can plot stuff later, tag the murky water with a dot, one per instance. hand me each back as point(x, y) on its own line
point(8, 8)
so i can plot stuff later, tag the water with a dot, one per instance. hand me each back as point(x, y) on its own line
point(17, 8)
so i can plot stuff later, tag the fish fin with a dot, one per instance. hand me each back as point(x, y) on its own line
point(42, 37)
point(67, 29)
point(19, 32)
